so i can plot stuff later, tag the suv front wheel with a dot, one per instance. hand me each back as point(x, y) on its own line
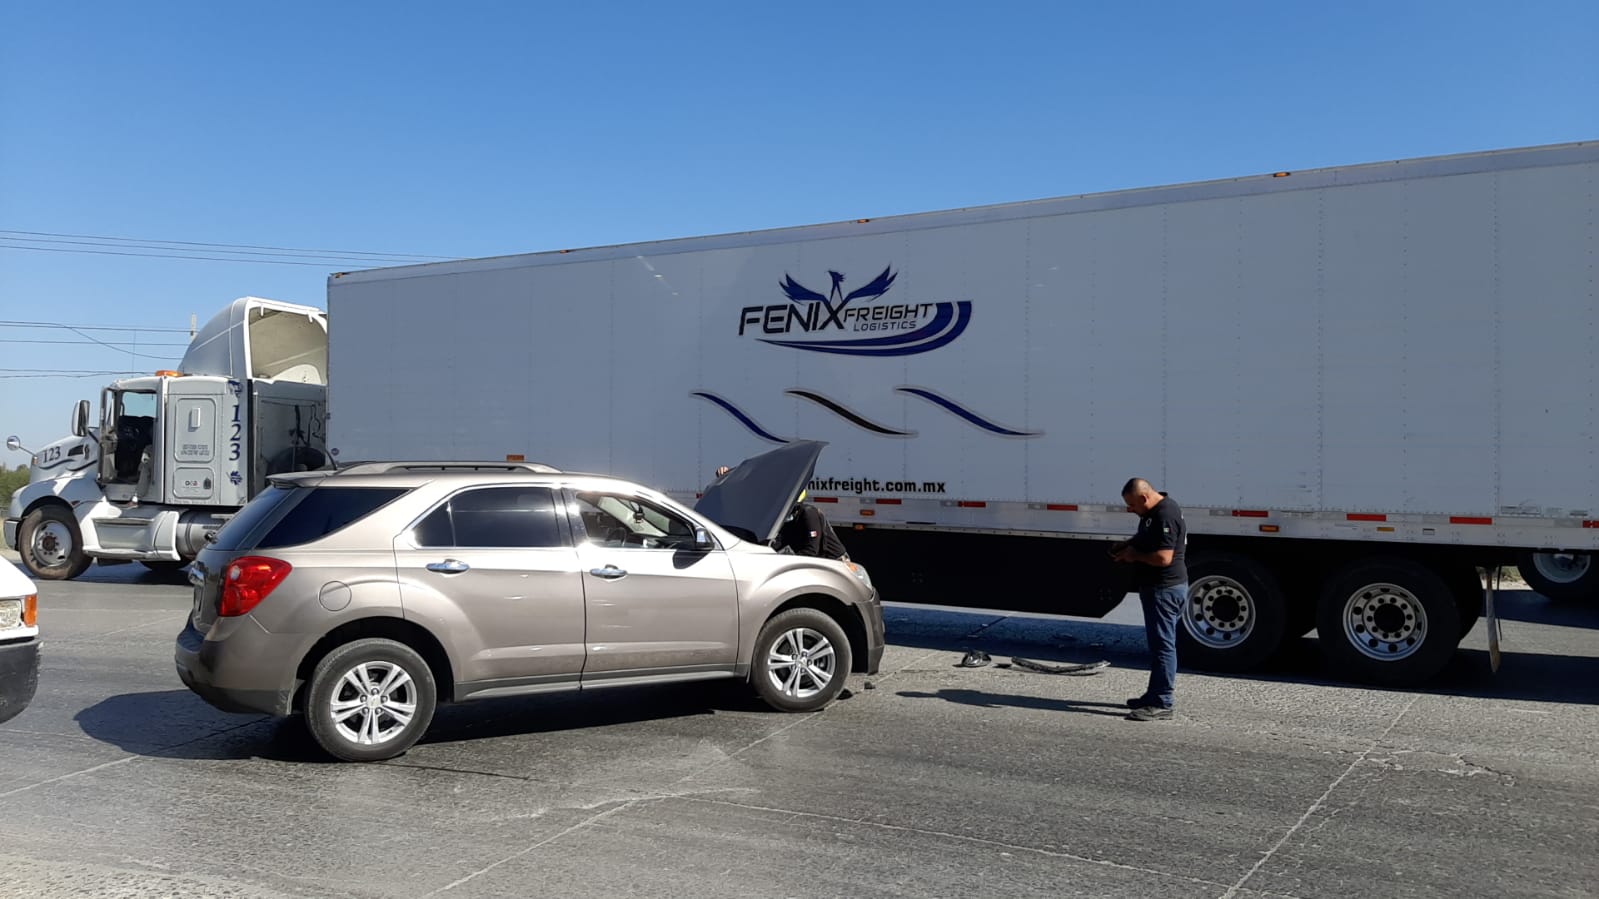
point(370, 700)
point(801, 660)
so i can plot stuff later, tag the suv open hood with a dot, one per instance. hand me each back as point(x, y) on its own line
point(753, 499)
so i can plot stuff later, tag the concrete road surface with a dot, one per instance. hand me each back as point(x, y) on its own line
point(940, 782)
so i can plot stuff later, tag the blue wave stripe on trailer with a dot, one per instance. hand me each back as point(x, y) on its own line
point(849, 415)
point(738, 413)
point(952, 406)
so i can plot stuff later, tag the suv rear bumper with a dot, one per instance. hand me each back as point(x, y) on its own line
point(19, 676)
point(196, 661)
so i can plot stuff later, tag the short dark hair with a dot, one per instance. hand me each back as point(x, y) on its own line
point(1136, 486)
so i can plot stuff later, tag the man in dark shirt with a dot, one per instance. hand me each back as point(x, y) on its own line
point(1162, 581)
point(806, 533)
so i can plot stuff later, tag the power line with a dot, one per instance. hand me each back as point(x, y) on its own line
point(341, 254)
point(18, 373)
point(321, 265)
point(18, 323)
point(79, 342)
point(130, 246)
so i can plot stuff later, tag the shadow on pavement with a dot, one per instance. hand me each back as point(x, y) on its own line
point(1525, 676)
point(1001, 700)
point(1533, 608)
point(177, 724)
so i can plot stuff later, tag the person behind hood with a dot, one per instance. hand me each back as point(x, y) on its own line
point(805, 532)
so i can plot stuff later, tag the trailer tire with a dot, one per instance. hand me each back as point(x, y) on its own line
point(1387, 621)
point(51, 544)
point(1562, 577)
point(1236, 615)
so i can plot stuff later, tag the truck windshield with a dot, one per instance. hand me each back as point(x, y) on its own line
point(137, 404)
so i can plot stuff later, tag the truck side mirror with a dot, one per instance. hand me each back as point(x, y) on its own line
point(80, 418)
point(12, 443)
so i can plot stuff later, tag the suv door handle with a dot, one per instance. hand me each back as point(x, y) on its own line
point(448, 566)
point(609, 572)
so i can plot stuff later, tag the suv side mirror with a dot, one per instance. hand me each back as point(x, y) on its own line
point(80, 418)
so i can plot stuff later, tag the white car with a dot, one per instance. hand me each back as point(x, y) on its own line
point(19, 640)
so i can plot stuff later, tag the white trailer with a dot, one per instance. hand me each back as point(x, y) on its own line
point(1362, 383)
point(178, 451)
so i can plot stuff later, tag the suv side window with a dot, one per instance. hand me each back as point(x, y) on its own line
point(615, 519)
point(324, 510)
point(494, 517)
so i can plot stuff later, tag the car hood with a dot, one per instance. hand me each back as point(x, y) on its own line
point(754, 497)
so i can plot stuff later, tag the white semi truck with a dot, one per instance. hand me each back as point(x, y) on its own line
point(1362, 384)
point(177, 452)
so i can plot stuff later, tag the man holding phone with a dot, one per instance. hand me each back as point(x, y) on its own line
point(1162, 580)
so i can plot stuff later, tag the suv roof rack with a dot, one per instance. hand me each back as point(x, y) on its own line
point(388, 467)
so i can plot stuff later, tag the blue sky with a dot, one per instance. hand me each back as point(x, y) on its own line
point(491, 128)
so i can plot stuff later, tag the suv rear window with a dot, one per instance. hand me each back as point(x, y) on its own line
point(324, 510)
point(233, 534)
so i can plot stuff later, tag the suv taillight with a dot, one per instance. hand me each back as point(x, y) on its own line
point(247, 581)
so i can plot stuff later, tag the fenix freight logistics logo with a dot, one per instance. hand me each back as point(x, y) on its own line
point(814, 322)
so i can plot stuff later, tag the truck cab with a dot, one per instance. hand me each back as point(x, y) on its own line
point(179, 451)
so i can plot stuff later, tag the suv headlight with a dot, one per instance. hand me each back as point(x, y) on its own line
point(860, 572)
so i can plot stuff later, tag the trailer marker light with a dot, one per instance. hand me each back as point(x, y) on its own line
point(1269, 529)
point(515, 457)
point(1387, 529)
point(1467, 519)
point(1590, 524)
point(888, 502)
point(868, 513)
point(824, 499)
point(1281, 174)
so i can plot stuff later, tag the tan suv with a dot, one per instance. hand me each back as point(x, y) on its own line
point(363, 596)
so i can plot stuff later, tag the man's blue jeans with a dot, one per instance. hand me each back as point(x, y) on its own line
point(1162, 607)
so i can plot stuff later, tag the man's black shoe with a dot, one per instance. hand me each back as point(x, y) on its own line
point(1138, 702)
point(1150, 713)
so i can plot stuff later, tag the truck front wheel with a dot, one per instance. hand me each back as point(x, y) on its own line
point(1387, 621)
point(50, 544)
point(1236, 615)
point(1560, 576)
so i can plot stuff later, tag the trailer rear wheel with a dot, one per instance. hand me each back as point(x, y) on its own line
point(1236, 615)
point(1388, 621)
point(1561, 576)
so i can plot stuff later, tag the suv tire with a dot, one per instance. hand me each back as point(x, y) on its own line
point(795, 651)
point(370, 700)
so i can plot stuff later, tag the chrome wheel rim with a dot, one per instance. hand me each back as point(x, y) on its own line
point(801, 663)
point(1221, 613)
point(1385, 622)
point(373, 703)
point(52, 544)
point(1562, 568)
